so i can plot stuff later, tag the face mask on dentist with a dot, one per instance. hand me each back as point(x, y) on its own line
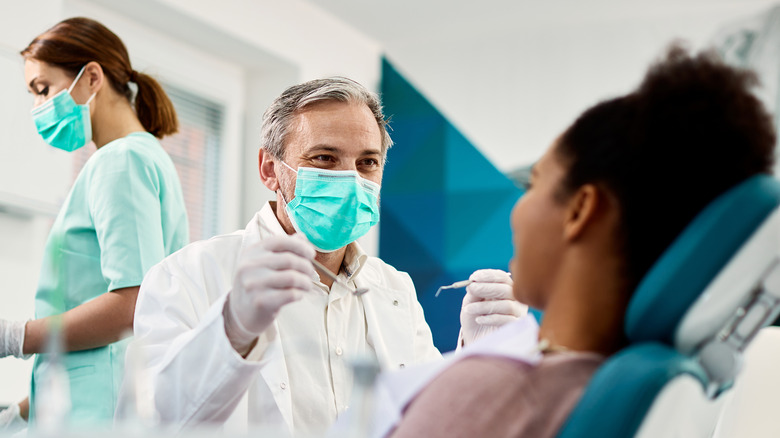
point(332, 208)
point(62, 122)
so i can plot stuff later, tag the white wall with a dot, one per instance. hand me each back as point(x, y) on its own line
point(299, 31)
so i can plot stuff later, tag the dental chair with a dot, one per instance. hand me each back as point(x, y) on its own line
point(689, 321)
point(750, 409)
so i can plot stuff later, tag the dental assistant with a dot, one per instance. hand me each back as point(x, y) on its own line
point(272, 338)
point(124, 213)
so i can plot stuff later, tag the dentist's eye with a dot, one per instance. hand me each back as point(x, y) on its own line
point(370, 162)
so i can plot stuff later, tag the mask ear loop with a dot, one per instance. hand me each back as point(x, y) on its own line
point(288, 166)
point(280, 185)
point(78, 76)
point(294, 224)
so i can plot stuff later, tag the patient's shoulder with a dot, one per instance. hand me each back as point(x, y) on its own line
point(498, 396)
point(572, 366)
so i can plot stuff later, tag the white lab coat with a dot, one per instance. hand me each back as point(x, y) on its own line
point(197, 377)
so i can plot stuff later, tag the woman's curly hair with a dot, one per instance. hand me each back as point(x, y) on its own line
point(692, 130)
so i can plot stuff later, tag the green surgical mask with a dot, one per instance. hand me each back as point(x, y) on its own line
point(332, 208)
point(62, 122)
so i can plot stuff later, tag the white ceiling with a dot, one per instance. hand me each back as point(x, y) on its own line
point(401, 21)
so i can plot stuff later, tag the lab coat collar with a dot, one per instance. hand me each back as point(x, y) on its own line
point(354, 259)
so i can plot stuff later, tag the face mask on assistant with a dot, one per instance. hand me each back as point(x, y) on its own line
point(62, 122)
point(332, 208)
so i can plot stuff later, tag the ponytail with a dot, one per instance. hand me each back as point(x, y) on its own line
point(154, 108)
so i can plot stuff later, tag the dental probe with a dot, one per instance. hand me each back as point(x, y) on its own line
point(456, 285)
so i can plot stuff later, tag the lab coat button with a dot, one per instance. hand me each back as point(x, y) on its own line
point(395, 302)
point(402, 366)
point(283, 385)
point(338, 351)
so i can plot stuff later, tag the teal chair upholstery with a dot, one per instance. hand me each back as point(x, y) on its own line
point(691, 316)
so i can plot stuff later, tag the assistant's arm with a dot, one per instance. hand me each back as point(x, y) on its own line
point(124, 204)
point(96, 323)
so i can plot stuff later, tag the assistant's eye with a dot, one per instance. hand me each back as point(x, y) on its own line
point(43, 91)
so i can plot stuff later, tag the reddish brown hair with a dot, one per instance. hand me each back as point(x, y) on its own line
point(74, 42)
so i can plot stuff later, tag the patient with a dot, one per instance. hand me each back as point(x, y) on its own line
point(607, 198)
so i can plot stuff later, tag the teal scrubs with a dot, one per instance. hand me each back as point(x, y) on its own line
point(124, 214)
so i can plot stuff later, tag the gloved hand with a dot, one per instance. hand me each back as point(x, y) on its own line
point(10, 420)
point(12, 338)
point(488, 304)
point(270, 274)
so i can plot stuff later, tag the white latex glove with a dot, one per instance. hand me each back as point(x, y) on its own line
point(488, 304)
point(10, 420)
point(270, 274)
point(12, 338)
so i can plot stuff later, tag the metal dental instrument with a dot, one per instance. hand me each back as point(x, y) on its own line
point(320, 267)
point(456, 285)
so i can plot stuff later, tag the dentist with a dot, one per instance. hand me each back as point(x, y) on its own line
point(242, 325)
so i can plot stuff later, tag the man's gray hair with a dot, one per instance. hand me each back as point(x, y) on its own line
point(278, 117)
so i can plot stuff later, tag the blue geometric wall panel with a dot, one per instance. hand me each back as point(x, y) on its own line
point(445, 207)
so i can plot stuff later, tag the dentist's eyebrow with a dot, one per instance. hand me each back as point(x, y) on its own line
point(371, 151)
point(324, 147)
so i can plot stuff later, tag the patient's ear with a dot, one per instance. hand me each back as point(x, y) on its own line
point(581, 211)
point(268, 170)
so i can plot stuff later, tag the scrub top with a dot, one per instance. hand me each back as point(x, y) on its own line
point(124, 214)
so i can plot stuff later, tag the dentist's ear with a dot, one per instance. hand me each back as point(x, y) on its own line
point(581, 211)
point(267, 168)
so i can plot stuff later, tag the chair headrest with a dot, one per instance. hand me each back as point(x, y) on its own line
point(717, 235)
